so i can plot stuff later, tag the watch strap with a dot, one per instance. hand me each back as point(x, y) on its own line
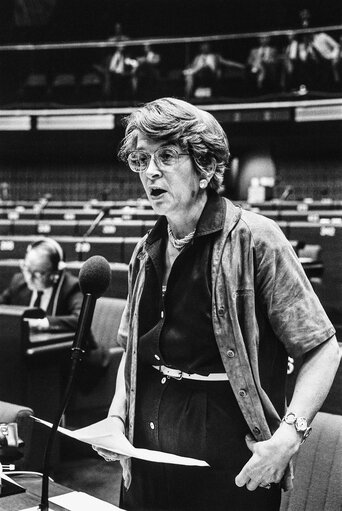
point(300, 424)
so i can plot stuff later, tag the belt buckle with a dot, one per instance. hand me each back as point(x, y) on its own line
point(177, 373)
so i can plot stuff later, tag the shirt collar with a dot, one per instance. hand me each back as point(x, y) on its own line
point(211, 219)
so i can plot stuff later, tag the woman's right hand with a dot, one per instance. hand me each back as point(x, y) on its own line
point(108, 455)
point(105, 453)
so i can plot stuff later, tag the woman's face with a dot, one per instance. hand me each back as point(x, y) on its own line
point(173, 191)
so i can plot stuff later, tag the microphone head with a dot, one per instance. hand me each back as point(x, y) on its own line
point(94, 276)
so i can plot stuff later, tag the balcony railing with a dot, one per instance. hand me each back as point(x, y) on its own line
point(223, 69)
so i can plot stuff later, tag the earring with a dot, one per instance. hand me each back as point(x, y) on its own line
point(203, 183)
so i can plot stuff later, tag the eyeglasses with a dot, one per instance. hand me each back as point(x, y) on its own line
point(164, 157)
point(37, 275)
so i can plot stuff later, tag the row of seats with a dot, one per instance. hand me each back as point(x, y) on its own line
point(116, 226)
point(310, 255)
point(116, 249)
point(116, 289)
point(319, 215)
point(107, 228)
point(74, 214)
point(285, 205)
point(275, 204)
point(74, 204)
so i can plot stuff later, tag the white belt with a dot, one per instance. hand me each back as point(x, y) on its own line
point(177, 374)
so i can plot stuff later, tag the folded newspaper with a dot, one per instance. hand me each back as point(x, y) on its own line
point(107, 434)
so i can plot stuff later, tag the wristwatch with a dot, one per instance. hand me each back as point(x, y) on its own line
point(300, 423)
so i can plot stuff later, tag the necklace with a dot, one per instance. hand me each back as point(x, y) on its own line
point(179, 243)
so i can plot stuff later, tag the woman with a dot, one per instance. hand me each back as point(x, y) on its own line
point(217, 298)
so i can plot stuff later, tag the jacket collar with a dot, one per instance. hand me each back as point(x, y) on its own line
point(212, 219)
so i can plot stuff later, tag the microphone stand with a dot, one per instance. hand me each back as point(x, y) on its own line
point(77, 352)
point(42, 205)
point(104, 211)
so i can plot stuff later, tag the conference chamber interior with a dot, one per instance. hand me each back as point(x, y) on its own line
point(70, 71)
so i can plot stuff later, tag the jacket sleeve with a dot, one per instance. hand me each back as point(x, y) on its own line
point(294, 310)
point(68, 310)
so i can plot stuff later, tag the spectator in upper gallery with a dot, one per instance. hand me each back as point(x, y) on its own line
point(119, 77)
point(206, 70)
point(309, 62)
point(300, 62)
point(326, 51)
point(262, 66)
point(146, 75)
point(118, 33)
point(288, 60)
point(337, 66)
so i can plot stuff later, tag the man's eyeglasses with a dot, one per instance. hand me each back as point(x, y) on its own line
point(38, 275)
point(164, 157)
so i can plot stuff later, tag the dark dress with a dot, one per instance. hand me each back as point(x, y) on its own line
point(199, 419)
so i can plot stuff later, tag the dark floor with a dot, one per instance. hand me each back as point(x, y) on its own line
point(83, 470)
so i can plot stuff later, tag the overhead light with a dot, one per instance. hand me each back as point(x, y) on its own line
point(76, 122)
point(15, 123)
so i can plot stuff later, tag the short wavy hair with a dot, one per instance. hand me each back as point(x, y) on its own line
point(194, 130)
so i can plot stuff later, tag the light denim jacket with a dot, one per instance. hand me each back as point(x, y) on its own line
point(254, 267)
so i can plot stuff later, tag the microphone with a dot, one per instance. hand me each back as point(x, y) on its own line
point(288, 190)
point(104, 212)
point(94, 278)
point(42, 203)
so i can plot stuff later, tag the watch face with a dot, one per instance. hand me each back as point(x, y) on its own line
point(290, 418)
point(301, 424)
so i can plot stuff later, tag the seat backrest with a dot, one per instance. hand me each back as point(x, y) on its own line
point(21, 415)
point(106, 320)
point(318, 469)
point(89, 404)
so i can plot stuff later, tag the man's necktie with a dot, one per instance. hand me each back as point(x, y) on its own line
point(38, 299)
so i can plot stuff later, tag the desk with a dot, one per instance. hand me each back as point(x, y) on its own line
point(32, 495)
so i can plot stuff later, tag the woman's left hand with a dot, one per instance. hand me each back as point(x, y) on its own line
point(269, 460)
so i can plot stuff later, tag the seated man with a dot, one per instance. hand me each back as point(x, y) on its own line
point(146, 76)
point(120, 69)
point(45, 283)
point(206, 70)
point(262, 66)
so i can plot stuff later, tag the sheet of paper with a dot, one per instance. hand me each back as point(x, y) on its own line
point(79, 501)
point(108, 435)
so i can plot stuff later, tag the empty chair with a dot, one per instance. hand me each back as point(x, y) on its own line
point(318, 465)
point(91, 404)
point(35, 87)
point(90, 87)
point(63, 88)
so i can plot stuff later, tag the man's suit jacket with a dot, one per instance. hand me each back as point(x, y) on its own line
point(65, 304)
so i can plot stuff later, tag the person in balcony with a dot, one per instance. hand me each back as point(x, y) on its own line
point(262, 66)
point(217, 300)
point(205, 71)
point(120, 71)
point(118, 34)
point(146, 76)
